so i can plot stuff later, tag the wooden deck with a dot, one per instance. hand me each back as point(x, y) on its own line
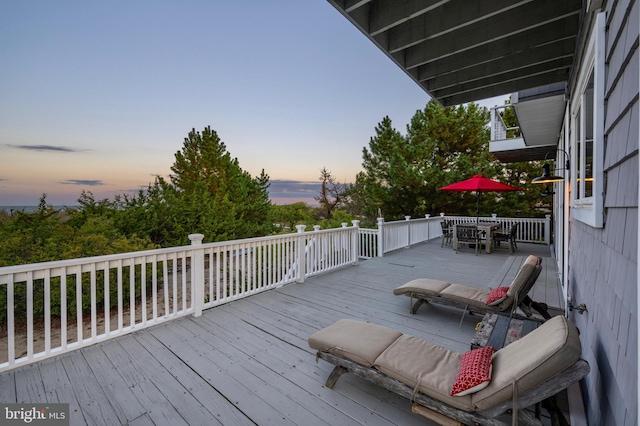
point(248, 362)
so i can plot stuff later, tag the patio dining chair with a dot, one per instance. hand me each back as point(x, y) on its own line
point(467, 234)
point(506, 236)
point(447, 232)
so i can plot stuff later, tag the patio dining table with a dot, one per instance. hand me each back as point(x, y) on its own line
point(488, 228)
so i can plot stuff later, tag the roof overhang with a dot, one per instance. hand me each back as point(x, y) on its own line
point(460, 51)
point(540, 112)
point(515, 150)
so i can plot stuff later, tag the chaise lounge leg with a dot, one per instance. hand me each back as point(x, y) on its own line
point(557, 418)
point(335, 375)
point(538, 306)
point(417, 305)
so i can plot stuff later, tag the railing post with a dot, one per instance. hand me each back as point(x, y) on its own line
point(408, 218)
point(427, 216)
point(302, 262)
point(355, 244)
point(380, 237)
point(547, 229)
point(197, 273)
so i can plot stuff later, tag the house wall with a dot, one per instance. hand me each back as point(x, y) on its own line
point(603, 262)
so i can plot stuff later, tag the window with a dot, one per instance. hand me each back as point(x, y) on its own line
point(587, 135)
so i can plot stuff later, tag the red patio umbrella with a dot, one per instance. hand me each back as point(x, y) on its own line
point(479, 184)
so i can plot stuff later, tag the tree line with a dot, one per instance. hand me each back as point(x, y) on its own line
point(209, 193)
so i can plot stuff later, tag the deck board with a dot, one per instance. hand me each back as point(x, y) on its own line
point(248, 362)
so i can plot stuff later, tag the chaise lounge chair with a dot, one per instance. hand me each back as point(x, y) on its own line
point(526, 372)
point(502, 300)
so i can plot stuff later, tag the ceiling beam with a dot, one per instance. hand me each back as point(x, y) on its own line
point(504, 88)
point(502, 49)
point(510, 31)
point(452, 16)
point(558, 68)
point(386, 14)
point(434, 75)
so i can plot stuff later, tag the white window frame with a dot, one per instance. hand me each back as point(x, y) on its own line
point(590, 210)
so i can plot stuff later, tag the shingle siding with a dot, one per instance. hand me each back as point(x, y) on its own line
point(603, 271)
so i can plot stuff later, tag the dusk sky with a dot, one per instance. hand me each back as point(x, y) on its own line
point(99, 96)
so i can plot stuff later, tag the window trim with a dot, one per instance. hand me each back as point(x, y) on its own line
point(590, 210)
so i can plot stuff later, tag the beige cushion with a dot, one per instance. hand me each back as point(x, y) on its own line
point(426, 286)
point(358, 341)
point(519, 281)
point(465, 294)
point(410, 359)
point(537, 357)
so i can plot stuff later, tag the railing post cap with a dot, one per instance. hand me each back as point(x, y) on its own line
point(442, 214)
point(344, 224)
point(316, 227)
point(428, 215)
point(355, 222)
point(301, 228)
point(380, 220)
point(196, 239)
point(407, 218)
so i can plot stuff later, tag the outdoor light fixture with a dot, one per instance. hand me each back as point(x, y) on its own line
point(547, 191)
point(547, 177)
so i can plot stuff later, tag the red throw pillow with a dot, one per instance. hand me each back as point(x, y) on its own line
point(475, 372)
point(496, 296)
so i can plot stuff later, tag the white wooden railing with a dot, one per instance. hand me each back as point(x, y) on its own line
point(530, 230)
point(391, 236)
point(499, 129)
point(47, 309)
point(55, 307)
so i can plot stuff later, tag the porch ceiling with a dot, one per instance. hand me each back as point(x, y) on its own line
point(460, 51)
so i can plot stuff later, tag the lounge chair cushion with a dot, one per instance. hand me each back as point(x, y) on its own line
point(533, 359)
point(465, 294)
point(426, 286)
point(519, 281)
point(358, 341)
point(431, 369)
point(472, 296)
point(410, 359)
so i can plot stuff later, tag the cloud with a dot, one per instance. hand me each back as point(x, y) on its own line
point(45, 148)
point(293, 189)
point(82, 182)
